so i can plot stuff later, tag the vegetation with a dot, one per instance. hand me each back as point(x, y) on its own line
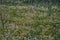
point(29, 20)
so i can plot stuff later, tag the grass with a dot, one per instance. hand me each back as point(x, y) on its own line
point(28, 22)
